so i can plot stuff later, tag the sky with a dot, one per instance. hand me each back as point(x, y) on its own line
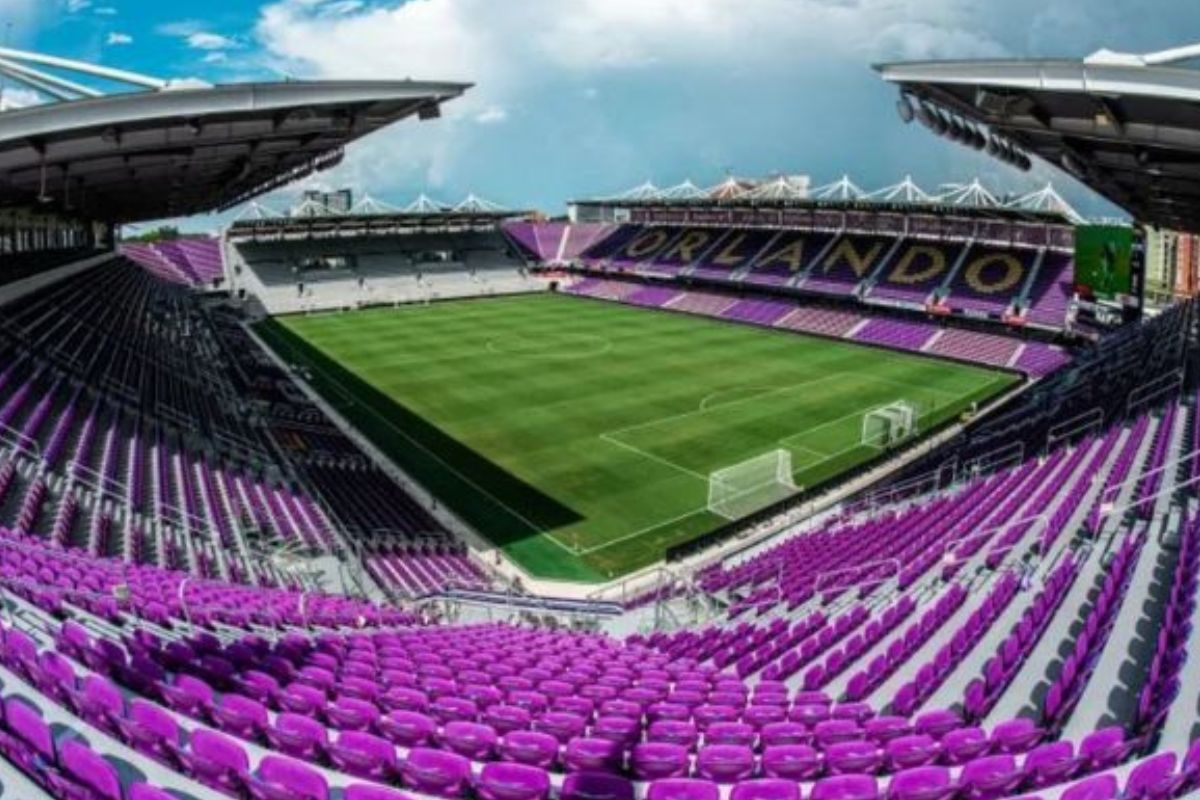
point(585, 98)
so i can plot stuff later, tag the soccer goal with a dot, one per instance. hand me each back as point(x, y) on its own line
point(751, 485)
point(889, 425)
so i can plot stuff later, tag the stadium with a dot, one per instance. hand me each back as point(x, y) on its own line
point(754, 488)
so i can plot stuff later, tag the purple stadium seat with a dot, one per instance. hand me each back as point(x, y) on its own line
point(1152, 779)
point(906, 752)
point(795, 762)
point(857, 756)
point(921, 783)
point(765, 789)
point(683, 789)
point(508, 781)
point(530, 747)
point(241, 717)
point(86, 768)
point(990, 776)
point(280, 778)
point(595, 786)
point(471, 739)
point(364, 754)
point(298, 736)
point(150, 730)
point(845, 787)
point(407, 728)
point(436, 772)
point(725, 763)
point(217, 761)
point(654, 760)
point(1098, 787)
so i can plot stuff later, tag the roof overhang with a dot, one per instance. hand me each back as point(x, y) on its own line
point(1129, 131)
point(868, 205)
point(174, 152)
point(365, 225)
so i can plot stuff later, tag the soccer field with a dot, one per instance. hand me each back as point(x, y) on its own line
point(579, 435)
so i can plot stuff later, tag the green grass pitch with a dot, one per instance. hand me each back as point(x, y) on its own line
point(579, 434)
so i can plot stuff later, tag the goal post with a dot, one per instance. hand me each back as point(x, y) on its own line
point(890, 424)
point(741, 489)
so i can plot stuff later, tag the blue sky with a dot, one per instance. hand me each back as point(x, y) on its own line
point(587, 97)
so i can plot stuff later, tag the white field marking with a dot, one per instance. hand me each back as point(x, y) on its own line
point(639, 451)
point(823, 457)
point(758, 392)
point(642, 532)
point(515, 514)
point(685, 414)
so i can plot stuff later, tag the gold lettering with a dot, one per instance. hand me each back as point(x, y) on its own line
point(646, 244)
point(905, 272)
point(1013, 272)
point(685, 249)
point(847, 253)
point(791, 254)
point(729, 255)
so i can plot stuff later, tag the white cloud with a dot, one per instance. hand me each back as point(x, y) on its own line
point(19, 97)
point(491, 115)
point(339, 7)
point(116, 38)
point(615, 90)
point(104, 11)
point(182, 28)
point(75, 6)
point(215, 57)
point(204, 40)
point(512, 50)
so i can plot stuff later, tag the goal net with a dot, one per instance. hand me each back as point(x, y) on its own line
point(751, 485)
point(886, 426)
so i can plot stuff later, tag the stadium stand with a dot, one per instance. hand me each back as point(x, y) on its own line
point(291, 276)
point(1032, 357)
point(191, 261)
point(979, 280)
point(133, 435)
point(898, 666)
point(893, 651)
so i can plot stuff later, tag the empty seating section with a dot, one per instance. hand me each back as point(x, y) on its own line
point(902, 334)
point(976, 279)
point(991, 280)
point(139, 423)
point(846, 263)
point(383, 268)
point(984, 348)
point(652, 296)
point(786, 258)
point(917, 270)
point(1038, 358)
point(866, 655)
point(710, 304)
point(823, 321)
point(191, 261)
point(1032, 357)
point(581, 236)
point(540, 240)
point(1050, 294)
point(758, 312)
point(733, 253)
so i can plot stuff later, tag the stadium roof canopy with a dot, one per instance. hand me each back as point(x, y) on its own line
point(175, 149)
point(1126, 125)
